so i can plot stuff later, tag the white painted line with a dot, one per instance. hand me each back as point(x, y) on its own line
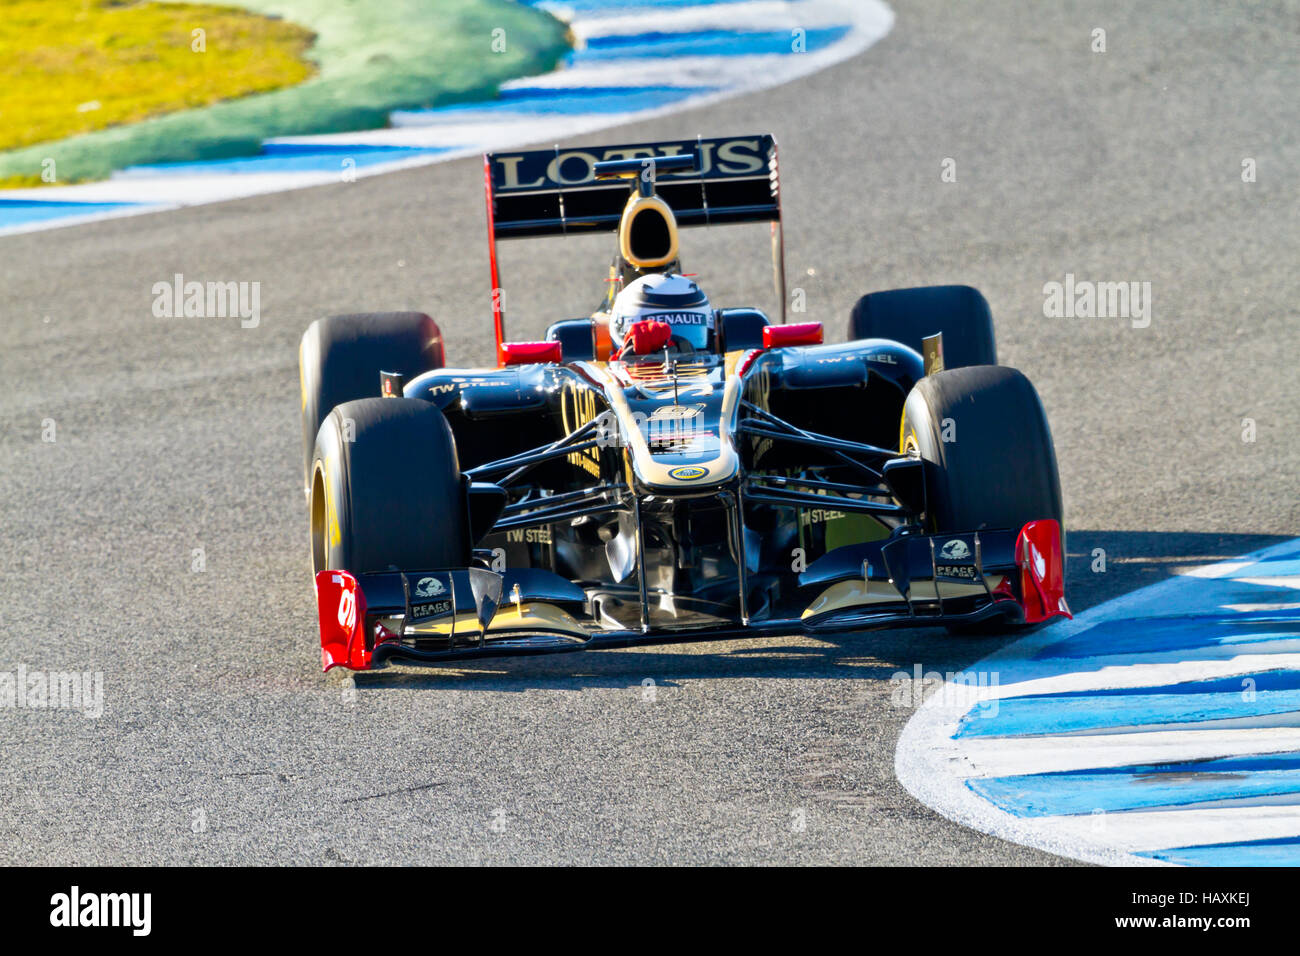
point(755, 16)
point(993, 758)
point(1158, 829)
point(681, 71)
point(1142, 831)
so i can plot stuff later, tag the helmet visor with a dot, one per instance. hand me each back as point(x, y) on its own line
point(692, 325)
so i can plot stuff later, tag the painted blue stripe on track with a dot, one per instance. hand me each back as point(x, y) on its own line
point(1151, 636)
point(702, 43)
point(1284, 851)
point(1281, 566)
point(1141, 788)
point(291, 158)
point(561, 101)
point(1279, 678)
point(1192, 702)
point(20, 212)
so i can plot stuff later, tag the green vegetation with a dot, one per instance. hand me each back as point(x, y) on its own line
point(370, 57)
point(73, 66)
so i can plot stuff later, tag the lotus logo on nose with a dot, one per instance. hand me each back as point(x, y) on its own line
point(687, 472)
point(955, 550)
point(429, 587)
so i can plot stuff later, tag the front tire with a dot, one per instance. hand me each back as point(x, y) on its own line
point(990, 461)
point(386, 490)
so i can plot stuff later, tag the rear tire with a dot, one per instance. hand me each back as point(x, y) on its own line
point(909, 315)
point(999, 468)
point(741, 328)
point(340, 358)
point(392, 496)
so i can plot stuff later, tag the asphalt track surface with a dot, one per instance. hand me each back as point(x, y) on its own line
point(221, 741)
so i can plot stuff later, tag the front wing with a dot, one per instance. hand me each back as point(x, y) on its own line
point(910, 580)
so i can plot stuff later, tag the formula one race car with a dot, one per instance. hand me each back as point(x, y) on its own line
point(664, 470)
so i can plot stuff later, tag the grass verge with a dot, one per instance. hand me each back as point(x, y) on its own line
point(76, 66)
point(371, 57)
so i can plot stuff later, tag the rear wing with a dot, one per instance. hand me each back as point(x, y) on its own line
point(555, 192)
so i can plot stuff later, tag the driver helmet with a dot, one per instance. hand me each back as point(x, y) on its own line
point(663, 297)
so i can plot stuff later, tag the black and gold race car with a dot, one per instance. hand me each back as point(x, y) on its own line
point(666, 470)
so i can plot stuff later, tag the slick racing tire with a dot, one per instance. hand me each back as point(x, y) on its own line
point(909, 315)
point(997, 468)
point(386, 489)
point(340, 358)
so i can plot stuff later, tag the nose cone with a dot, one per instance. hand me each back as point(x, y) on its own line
point(671, 473)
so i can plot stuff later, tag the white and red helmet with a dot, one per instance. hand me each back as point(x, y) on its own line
point(663, 297)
